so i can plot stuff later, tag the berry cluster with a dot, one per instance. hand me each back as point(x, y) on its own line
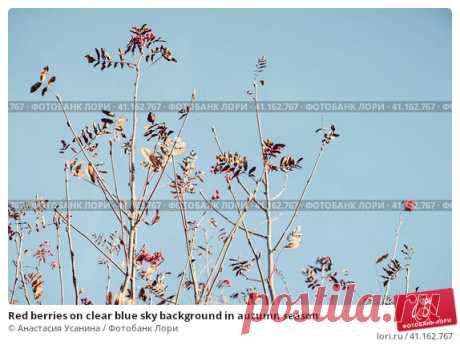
point(141, 37)
point(409, 205)
point(154, 258)
point(43, 252)
point(224, 283)
point(86, 301)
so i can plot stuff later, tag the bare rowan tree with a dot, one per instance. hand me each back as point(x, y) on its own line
point(89, 157)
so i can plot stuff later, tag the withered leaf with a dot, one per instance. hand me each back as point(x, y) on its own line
point(52, 80)
point(106, 121)
point(36, 281)
point(108, 298)
point(294, 239)
point(120, 124)
point(89, 58)
point(108, 113)
point(151, 117)
point(155, 219)
point(91, 172)
point(142, 295)
point(381, 258)
point(44, 73)
point(78, 170)
point(35, 87)
point(121, 54)
point(153, 160)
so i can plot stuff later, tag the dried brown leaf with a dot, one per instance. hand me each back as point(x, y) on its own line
point(35, 87)
point(36, 281)
point(91, 172)
point(44, 73)
point(381, 258)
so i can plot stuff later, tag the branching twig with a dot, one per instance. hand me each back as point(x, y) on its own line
point(267, 211)
point(220, 260)
point(299, 201)
point(162, 170)
point(58, 251)
point(210, 205)
point(122, 227)
point(283, 188)
point(393, 256)
point(132, 187)
point(179, 287)
point(82, 234)
point(107, 194)
point(18, 240)
point(188, 242)
point(248, 236)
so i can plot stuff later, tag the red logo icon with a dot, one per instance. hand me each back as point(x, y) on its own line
point(425, 309)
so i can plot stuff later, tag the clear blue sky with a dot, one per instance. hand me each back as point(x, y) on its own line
point(313, 55)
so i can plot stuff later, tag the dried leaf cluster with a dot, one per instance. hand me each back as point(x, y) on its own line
point(316, 275)
point(41, 82)
point(232, 165)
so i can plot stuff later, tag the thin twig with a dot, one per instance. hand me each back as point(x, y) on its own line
point(109, 277)
point(24, 285)
point(163, 168)
point(407, 279)
point(58, 251)
point(185, 228)
point(122, 227)
point(393, 256)
point(107, 194)
point(299, 201)
point(19, 254)
point(82, 234)
point(132, 180)
point(220, 260)
point(131, 264)
point(179, 287)
point(268, 217)
point(246, 190)
point(210, 205)
point(248, 236)
point(251, 245)
point(283, 188)
point(148, 178)
point(69, 236)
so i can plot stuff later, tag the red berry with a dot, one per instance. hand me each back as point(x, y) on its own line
point(409, 205)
